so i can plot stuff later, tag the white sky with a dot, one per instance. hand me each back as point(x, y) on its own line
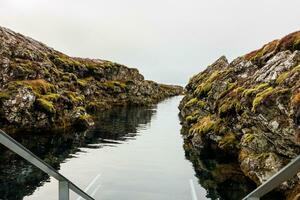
point(167, 40)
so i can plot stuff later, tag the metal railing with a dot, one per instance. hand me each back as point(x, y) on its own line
point(64, 184)
point(282, 175)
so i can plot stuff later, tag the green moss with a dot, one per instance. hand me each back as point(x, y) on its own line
point(239, 90)
point(229, 87)
point(191, 102)
point(248, 92)
point(113, 84)
point(84, 82)
point(228, 141)
point(51, 97)
point(66, 61)
point(285, 75)
point(257, 54)
point(193, 117)
point(247, 138)
point(45, 105)
point(75, 98)
point(66, 78)
point(4, 95)
point(206, 86)
point(230, 106)
point(85, 117)
point(201, 104)
point(83, 121)
point(96, 106)
point(282, 77)
point(205, 125)
point(260, 97)
point(39, 86)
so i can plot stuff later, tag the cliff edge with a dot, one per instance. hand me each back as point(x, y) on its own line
point(43, 88)
point(248, 112)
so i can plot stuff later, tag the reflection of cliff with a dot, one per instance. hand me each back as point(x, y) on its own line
point(220, 175)
point(19, 179)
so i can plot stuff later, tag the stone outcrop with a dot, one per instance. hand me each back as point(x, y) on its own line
point(248, 111)
point(43, 88)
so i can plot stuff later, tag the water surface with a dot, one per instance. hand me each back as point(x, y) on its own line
point(133, 153)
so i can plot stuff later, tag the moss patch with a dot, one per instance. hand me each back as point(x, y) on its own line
point(113, 84)
point(96, 106)
point(206, 86)
point(260, 97)
point(230, 106)
point(84, 82)
point(247, 138)
point(4, 95)
point(39, 86)
point(228, 141)
point(204, 126)
point(75, 98)
point(256, 89)
point(53, 97)
point(46, 106)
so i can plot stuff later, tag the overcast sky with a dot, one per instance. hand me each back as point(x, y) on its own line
point(167, 40)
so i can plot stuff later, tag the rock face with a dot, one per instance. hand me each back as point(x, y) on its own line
point(248, 110)
point(43, 88)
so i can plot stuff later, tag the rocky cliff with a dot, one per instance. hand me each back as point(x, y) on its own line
point(247, 112)
point(43, 88)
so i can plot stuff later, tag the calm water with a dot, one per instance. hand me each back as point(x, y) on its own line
point(133, 153)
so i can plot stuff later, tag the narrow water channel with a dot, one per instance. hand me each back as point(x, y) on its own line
point(134, 153)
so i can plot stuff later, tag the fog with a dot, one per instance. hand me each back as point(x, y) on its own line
point(167, 40)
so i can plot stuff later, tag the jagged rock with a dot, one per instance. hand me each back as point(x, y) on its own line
point(249, 110)
point(44, 88)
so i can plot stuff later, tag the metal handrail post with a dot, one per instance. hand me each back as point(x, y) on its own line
point(63, 190)
point(64, 183)
point(282, 175)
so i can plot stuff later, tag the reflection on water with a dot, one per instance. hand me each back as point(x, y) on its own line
point(220, 176)
point(151, 166)
point(19, 179)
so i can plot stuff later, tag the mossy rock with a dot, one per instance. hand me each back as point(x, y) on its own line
point(96, 106)
point(255, 90)
point(75, 98)
point(204, 126)
point(229, 141)
point(261, 97)
point(230, 107)
point(4, 95)
point(53, 97)
point(206, 86)
point(84, 122)
point(46, 106)
point(84, 82)
point(39, 86)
